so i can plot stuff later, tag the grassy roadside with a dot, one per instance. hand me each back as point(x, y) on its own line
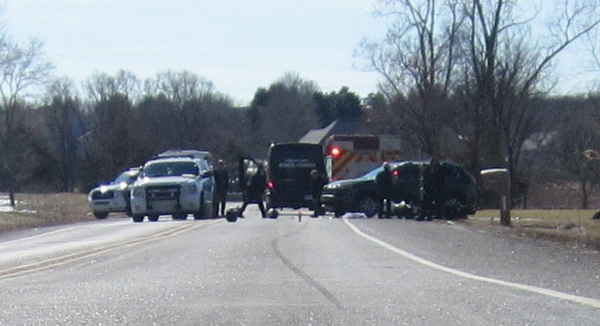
point(37, 210)
point(572, 227)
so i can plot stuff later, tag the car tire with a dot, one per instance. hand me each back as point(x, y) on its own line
point(153, 218)
point(100, 215)
point(138, 218)
point(367, 205)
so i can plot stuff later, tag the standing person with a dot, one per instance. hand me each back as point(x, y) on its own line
point(384, 188)
point(317, 181)
point(221, 187)
point(255, 190)
point(431, 189)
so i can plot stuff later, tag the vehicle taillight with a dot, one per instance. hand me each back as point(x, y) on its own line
point(270, 184)
point(396, 173)
point(335, 151)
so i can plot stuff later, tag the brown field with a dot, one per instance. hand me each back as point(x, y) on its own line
point(36, 210)
point(570, 226)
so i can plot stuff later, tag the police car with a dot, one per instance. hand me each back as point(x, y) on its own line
point(113, 197)
point(176, 183)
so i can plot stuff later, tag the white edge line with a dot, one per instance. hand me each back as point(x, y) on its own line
point(530, 288)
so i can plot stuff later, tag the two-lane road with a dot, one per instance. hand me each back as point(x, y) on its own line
point(288, 271)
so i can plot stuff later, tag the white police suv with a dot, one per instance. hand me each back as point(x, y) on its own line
point(176, 183)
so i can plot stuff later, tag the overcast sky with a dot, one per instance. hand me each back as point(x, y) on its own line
point(239, 45)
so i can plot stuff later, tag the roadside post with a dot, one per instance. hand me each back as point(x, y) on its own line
point(498, 181)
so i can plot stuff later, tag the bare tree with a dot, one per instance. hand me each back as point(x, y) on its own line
point(64, 121)
point(579, 136)
point(507, 67)
point(21, 69)
point(187, 92)
point(102, 86)
point(179, 87)
point(112, 148)
point(417, 60)
point(288, 109)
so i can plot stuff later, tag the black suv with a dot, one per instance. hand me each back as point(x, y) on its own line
point(459, 191)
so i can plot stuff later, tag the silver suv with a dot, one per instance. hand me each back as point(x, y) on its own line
point(175, 183)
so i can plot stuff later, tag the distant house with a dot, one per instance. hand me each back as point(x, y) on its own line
point(337, 127)
point(538, 139)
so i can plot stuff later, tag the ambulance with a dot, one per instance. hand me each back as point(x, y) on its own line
point(351, 156)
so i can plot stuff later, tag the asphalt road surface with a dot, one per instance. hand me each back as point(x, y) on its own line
point(293, 270)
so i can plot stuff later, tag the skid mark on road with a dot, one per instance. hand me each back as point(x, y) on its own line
point(328, 295)
point(84, 254)
point(529, 288)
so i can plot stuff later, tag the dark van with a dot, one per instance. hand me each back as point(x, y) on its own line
point(288, 171)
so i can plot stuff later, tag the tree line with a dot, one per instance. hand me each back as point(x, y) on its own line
point(71, 142)
point(463, 80)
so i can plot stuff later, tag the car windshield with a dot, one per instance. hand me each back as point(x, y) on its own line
point(162, 169)
point(371, 175)
point(127, 176)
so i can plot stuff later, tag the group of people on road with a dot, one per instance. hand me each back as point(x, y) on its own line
point(430, 189)
point(254, 189)
point(252, 194)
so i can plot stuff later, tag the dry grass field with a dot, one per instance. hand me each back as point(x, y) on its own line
point(569, 226)
point(572, 227)
point(36, 210)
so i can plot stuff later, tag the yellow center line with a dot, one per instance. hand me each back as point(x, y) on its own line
point(80, 255)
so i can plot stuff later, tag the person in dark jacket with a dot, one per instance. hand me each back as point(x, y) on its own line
point(432, 189)
point(384, 188)
point(317, 181)
point(255, 190)
point(221, 187)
